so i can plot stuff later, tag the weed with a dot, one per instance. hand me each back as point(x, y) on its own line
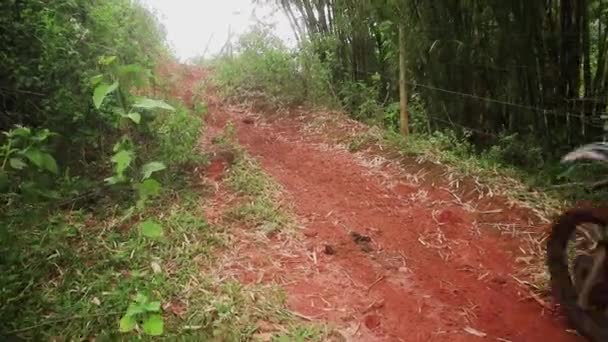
point(260, 209)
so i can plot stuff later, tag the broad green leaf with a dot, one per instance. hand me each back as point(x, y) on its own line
point(95, 80)
point(151, 229)
point(147, 189)
point(42, 160)
point(154, 325)
point(135, 309)
point(122, 159)
point(135, 117)
point(3, 180)
point(150, 168)
point(146, 103)
point(20, 132)
point(101, 91)
point(17, 163)
point(153, 307)
point(127, 323)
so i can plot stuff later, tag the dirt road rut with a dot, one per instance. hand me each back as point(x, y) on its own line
point(385, 254)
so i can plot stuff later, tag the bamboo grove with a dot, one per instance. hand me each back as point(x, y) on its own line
point(534, 68)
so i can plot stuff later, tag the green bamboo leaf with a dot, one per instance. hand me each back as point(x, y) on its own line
point(101, 92)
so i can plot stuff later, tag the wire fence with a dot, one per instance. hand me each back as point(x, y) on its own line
point(587, 123)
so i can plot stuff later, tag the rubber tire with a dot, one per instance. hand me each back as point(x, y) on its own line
point(593, 326)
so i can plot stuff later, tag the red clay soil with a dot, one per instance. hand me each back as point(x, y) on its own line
point(384, 258)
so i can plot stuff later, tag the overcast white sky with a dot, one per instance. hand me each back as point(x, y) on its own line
point(191, 24)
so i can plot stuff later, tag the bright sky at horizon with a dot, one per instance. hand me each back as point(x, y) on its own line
point(192, 25)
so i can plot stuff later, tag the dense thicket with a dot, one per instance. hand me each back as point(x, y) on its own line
point(88, 144)
point(55, 56)
point(50, 49)
point(536, 68)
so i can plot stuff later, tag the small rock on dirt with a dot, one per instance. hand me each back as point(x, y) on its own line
point(372, 322)
point(499, 280)
point(248, 121)
point(363, 241)
point(358, 238)
point(329, 250)
point(310, 233)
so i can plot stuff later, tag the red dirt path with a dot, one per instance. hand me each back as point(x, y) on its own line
point(425, 275)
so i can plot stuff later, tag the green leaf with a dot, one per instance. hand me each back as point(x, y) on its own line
point(17, 163)
point(42, 160)
point(147, 189)
point(154, 325)
point(107, 60)
point(135, 117)
point(151, 229)
point(20, 132)
point(134, 309)
point(95, 80)
point(101, 91)
point(153, 307)
point(150, 168)
point(43, 135)
point(146, 103)
point(127, 323)
point(122, 159)
point(141, 298)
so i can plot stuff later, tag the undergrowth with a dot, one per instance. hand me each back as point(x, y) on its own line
point(263, 69)
point(90, 272)
point(260, 209)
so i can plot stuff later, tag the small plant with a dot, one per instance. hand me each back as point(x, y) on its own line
point(26, 160)
point(131, 113)
point(143, 314)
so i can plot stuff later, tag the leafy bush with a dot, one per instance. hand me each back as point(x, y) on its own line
point(361, 100)
point(264, 68)
point(51, 49)
point(177, 135)
point(516, 151)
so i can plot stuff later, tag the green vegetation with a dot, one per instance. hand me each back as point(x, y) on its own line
point(470, 102)
point(260, 210)
point(263, 69)
point(102, 232)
